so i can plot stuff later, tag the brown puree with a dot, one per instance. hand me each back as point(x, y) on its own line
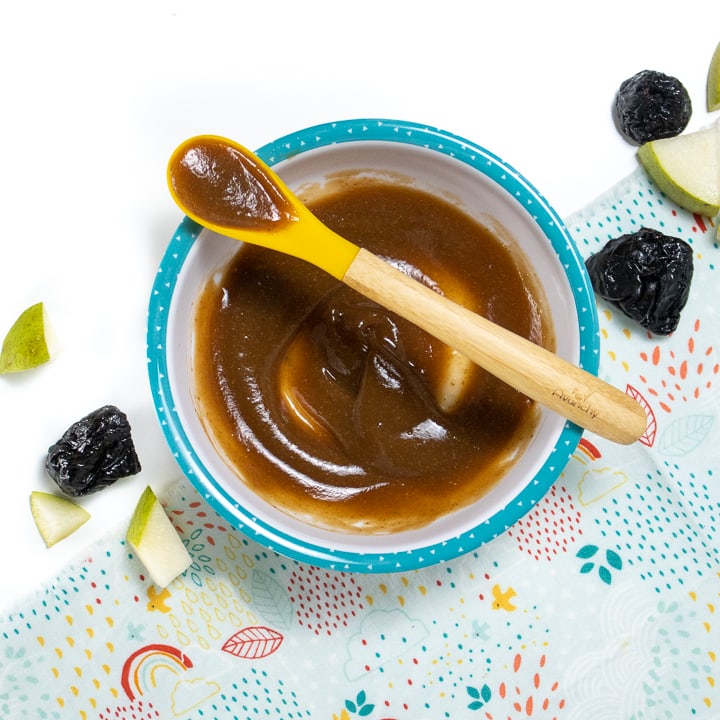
point(336, 411)
point(226, 186)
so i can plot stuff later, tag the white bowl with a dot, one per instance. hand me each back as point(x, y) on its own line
point(484, 187)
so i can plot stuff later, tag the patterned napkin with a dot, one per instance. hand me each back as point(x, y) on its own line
point(602, 603)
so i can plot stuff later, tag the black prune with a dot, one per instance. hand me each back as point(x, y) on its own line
point(651, 105)
point(93, 453)
point(645, 274)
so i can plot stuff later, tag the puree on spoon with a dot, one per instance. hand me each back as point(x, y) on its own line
point(337, 411)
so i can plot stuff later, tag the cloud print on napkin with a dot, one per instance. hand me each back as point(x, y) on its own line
point(384, 635)
point(189, 694)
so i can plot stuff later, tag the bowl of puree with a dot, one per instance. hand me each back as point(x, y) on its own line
point(328, 429)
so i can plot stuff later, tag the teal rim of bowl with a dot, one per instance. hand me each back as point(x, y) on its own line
point(373, 562)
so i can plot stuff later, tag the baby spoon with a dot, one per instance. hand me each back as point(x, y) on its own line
point(229, 190)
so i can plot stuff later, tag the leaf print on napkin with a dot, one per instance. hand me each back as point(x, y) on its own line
point(648, 437)
point(480, 697)
point(271, 600)
point(612, 558)
point(685, 434)
point(360, 706)
point(253, 643)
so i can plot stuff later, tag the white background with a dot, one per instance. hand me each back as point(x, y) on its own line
point(94, 96)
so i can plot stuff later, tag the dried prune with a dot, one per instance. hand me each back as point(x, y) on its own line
point(645, 274)
point(651, 105)
point(93, 453)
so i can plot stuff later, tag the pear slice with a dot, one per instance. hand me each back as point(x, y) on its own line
point(687, 168)
point(30, 341)
point(155, 540)
point(56, 517)
point(713, 82)
point(457, 371)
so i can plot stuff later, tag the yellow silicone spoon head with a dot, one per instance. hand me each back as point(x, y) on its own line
point(226, 188)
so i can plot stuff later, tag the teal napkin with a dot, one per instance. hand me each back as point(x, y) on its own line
point(603, 602)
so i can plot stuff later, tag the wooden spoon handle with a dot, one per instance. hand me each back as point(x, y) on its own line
point(575, 394)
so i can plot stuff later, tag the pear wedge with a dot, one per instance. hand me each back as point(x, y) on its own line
point(713, 82)
point(56, 517)
point(30, 341)
point(686, 168)
point(155, 540)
